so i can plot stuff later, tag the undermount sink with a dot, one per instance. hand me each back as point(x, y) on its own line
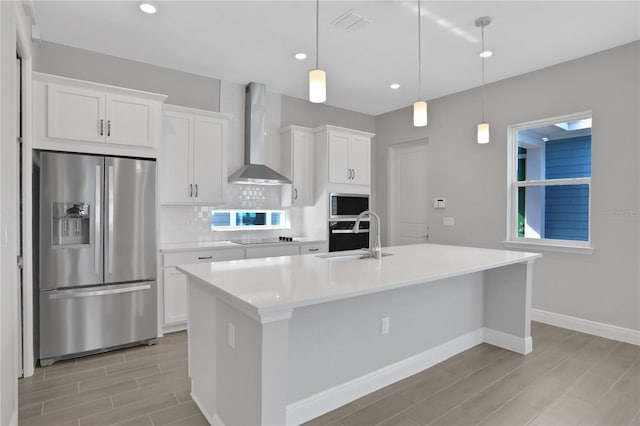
point(350, 256)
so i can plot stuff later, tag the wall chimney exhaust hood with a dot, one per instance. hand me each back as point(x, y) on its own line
point(255, 171)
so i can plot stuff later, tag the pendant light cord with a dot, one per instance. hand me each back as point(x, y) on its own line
point(483, 55)
point(419, 53)
point(317, 31)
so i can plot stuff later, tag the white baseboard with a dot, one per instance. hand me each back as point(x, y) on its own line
point(609, 331)
point(217, 421)
point(330, 399)
point(172, 328)
point(205, 413)
point(508, 341)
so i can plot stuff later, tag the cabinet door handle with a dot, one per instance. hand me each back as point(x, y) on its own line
point(353, 175)
point(313, 249)
point(108, 127)
point(190, 190)
point(295, 193)
point(101, 127)
point(204, 257)
point(349, 174)
point(196, 190)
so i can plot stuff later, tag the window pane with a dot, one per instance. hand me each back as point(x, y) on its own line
point(220, 218)
point(275, 218)
point(251, 218)
point(556, 212)
point(568, 158)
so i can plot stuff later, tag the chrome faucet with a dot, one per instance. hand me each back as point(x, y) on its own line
point(376, 250)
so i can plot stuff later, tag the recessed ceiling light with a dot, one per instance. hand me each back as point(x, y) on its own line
point(301, 56)
point(394, 86)
point(486, 54)
point(148, 8)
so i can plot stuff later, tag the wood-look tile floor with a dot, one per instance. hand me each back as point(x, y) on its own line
point(143, 385)
point(570, 378)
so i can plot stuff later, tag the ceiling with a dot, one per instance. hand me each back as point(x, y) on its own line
point(242, 41)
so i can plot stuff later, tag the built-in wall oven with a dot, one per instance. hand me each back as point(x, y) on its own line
point(343, 211)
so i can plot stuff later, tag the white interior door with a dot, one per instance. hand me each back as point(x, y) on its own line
point(408, 194)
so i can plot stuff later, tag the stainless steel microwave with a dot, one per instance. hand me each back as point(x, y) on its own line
point(344, 206)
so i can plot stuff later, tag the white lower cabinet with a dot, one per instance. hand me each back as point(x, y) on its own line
point(271, 251)
point(314, 247)
point(175, 282)
point(175, 296)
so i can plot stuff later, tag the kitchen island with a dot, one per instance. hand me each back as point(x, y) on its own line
point(282, 340)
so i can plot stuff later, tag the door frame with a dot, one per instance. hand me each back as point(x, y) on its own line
point(23, 42)
point(391, 157)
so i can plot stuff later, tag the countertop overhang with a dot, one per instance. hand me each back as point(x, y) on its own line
point(270, 288)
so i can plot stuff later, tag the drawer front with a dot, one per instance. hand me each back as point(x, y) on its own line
point(87, 319)
point(272, 251)
point(310, 248)
point(200, 256)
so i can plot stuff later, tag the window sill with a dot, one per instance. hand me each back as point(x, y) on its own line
point(559, 248)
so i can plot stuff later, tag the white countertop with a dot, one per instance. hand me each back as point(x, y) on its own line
point(204, 245)
point(277, 284)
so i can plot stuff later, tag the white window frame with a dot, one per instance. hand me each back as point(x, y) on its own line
point(284, 221)
point(512, 240)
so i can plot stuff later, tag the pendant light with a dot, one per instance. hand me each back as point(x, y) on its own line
point(483, 127)
point(419, 107)
point(317, 77)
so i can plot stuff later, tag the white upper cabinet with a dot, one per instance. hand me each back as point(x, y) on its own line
point(81, 116)
point(76, 113)
point(297, 165)
point(349, 157)
point(193, 167)
point(209, 165)
point(129, 120)
point(176, 175)
point(360, 159)
point(90, 115)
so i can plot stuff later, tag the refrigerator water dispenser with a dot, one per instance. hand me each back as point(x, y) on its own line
point(71, 224)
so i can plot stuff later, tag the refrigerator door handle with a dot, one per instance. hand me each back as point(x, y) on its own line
point(68, 294)
point(110, 220)
point(97, 223)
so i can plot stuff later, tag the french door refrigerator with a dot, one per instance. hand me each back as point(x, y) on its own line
point(96, 248)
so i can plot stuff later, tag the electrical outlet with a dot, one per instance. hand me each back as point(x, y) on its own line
point(231, 335)
point(385, 326)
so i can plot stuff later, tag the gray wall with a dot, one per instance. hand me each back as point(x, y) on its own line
point(602, 287)
point(183, 88)
point(303, 113)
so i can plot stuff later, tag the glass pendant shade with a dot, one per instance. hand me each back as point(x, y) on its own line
point(420, 114)
point(483, 133)
point(317, 86)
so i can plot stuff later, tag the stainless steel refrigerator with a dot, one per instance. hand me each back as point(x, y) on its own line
point(96, 253)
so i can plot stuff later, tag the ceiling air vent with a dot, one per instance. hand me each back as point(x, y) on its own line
point(351, 21)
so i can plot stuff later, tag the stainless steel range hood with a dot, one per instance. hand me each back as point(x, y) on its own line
point(255, 171)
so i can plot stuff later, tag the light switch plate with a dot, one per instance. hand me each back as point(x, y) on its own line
point(439, 203)
point(448, 221)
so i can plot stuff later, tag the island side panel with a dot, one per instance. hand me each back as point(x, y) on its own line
point(202, 345)
point(341, 342)
point(507, 295)
point(238, 366)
